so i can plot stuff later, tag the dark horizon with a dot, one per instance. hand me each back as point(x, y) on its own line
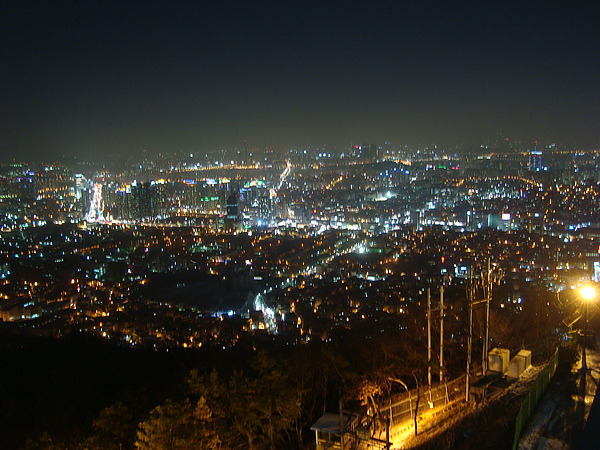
point(113, 78)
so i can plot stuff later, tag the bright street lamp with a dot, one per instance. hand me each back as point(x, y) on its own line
point(588, 293)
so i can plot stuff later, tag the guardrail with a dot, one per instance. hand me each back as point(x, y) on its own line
point(402, 409)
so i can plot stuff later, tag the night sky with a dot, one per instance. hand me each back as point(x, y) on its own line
point(116, 77)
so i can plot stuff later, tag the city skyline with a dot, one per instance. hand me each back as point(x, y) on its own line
point(88, 79)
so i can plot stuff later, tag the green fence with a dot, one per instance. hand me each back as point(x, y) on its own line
point(534, 396)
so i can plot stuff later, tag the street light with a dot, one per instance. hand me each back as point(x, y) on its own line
point(588, 293)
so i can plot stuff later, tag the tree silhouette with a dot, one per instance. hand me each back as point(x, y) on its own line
point(178, 425)
point(114, 428)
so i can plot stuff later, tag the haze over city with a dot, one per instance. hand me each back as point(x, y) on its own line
point(299, 225)
point(92, 79)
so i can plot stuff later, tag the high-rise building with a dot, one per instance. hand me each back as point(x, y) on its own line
point(144, 201)
point(535, 161)
point(415, 219)
point(232, 219)
point(264, 208)
point(366, 152)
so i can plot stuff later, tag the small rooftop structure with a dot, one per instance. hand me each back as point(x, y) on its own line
point(327, 430)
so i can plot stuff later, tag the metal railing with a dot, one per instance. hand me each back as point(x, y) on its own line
point(402, 408)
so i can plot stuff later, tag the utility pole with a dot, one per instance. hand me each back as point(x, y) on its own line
point(585, 326)
point(341, 425)
point(470, 335)
point(429, 338)
point(488, 299)
point(441, 333)
point(442, 377)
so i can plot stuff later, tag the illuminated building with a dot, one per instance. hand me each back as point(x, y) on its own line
point(535, 161)
point(232, 219)
point(144, 200)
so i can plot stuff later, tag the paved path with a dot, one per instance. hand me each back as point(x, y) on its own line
point(560, 418)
